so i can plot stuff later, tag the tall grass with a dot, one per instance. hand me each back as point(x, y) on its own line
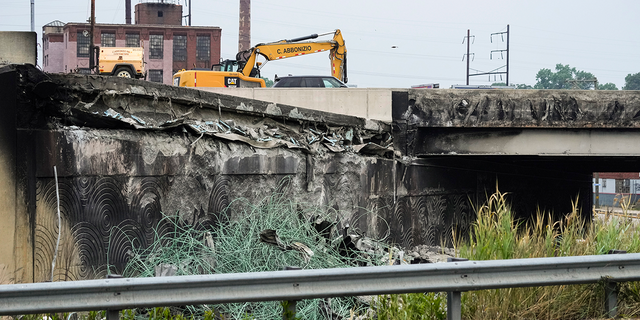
point(496, 234)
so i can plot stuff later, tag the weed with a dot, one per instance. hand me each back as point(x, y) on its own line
point(418, 306)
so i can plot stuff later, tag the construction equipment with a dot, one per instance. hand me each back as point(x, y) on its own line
point(245, 70)
point(121, 62)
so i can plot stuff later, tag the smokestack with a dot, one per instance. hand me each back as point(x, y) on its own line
point(244, 34)
point(127, 11)
point(33, 16)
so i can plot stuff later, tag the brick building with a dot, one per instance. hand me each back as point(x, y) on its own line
point(615, 186)
point(168, 45)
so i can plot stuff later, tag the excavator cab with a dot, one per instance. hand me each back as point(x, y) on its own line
point(224, 74)
point(226, 65)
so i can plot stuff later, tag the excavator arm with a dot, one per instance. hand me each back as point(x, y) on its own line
point(295, 47)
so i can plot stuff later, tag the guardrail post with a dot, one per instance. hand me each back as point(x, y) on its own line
point(611, 298)
point(454, 299)
point(611, 292)
point(289, 306)
point(454, 305)
point(113, 314)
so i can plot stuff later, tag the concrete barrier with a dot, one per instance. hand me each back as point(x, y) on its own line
point(373, 104)
point(18, 47)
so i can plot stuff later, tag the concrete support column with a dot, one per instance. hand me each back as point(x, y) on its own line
point(8, 145)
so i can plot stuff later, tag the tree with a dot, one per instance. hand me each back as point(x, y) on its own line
point(565, 77)
point(523, 86)
point(268, 82)
point(518, 86)
point(632, 82)
point(607, 86)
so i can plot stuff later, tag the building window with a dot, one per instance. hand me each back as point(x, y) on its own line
point(155, 46)
point(83, 45)
point(159, 14)
point(623, 185)
point(203, 48)
point(155, 76)
point(108, 39)
point(84, 71)
point(132, 40)
point(179, 48)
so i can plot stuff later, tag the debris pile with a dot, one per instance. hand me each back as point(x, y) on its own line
point(430, 254)
point(268, 133)
point(119, 104)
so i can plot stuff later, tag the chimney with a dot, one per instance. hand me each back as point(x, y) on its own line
point(244, 34)
point(127, 11)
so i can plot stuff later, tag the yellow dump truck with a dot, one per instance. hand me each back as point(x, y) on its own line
point(122, 62)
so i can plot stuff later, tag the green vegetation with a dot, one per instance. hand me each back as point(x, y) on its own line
point(564, 77)
point(607, 86)
point(268, 82)
point(518, 86)
point(413, 306)
point(632, 82)
point(496, 235)
point(235, 246)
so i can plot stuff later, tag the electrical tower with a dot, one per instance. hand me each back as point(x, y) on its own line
point(494, 71)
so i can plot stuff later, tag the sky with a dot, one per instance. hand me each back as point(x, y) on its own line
point(398, 44)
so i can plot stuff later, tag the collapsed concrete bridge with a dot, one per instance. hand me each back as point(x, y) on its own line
point(128, 152)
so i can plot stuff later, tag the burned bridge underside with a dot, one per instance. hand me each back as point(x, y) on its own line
point(128, 154)
point(540, 146)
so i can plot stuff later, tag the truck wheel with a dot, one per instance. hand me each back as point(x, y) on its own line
point(123, 72)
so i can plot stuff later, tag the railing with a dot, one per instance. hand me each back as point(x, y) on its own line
point(453, 277)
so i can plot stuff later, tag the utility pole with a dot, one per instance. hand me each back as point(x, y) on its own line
point(507, 55)
point(468, 46)
point(468, 39)
point(597, 184)
point(92, 62)
point(507, 50)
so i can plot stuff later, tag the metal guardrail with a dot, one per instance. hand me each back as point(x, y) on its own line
point(453, 277)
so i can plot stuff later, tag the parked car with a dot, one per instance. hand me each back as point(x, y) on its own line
point(308, 82)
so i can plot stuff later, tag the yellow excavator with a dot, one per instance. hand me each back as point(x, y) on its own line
point(244, 72)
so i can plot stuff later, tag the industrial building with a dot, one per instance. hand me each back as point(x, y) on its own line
point(168, 45)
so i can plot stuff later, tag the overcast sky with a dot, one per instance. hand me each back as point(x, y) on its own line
point(403, 43)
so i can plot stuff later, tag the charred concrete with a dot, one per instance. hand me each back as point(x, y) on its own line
point(541, 146)
point(129, 153)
